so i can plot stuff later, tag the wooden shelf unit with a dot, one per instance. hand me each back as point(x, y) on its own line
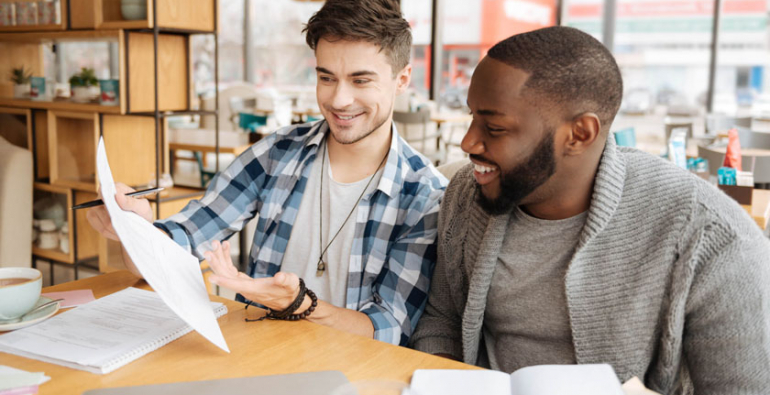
point(65, 134)
point(62, 25)
point(187, 15)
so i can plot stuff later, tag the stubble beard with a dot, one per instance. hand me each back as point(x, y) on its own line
point(522, 180)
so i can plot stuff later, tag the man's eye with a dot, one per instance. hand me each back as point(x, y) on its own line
point(491, 129)
point(360, 82)
point(325, 79)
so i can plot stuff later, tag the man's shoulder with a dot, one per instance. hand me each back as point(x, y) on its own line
point(417, 170)
point(460, 192)
point(660, 184)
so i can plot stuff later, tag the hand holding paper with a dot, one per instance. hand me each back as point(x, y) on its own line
point(170, 270)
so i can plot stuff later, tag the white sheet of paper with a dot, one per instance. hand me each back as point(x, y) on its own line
point(171, 271)
point(15, 378)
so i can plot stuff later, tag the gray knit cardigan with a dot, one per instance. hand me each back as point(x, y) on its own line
point(670, 281)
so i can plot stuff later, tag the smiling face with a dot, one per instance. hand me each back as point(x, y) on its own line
point(510, 143)
point(356, 88)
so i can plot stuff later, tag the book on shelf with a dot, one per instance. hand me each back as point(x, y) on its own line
point(102, 335)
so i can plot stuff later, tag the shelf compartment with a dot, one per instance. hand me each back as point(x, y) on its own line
point(130, 145)
point(194, 16)
point(173, 72)
point(72, 139)
point(87, 237)
point(61, 25)
point(17, 126)
point(27, 49)
point(136, 69)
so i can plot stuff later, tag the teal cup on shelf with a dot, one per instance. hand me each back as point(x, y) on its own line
point(109, 90)
point(37, 88)
point(19, 291)
point(626, 137)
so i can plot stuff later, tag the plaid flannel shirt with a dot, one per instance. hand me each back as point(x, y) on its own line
point(394, 250)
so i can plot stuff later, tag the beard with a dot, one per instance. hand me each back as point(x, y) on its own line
point(522, 180)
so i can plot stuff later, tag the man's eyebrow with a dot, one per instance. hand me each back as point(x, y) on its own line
point(354, 74)
point(484, 111)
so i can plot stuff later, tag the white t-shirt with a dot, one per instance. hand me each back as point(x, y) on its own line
point(304, 247)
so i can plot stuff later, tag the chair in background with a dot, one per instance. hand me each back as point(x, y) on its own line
point(15, 205)
point(416, 127)
point(241, 89)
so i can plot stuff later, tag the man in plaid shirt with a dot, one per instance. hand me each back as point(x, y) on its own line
point(364, 203)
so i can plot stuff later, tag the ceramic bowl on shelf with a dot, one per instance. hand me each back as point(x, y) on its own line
point(133, 10)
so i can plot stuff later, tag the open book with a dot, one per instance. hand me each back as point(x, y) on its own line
point(102, 335)
point(532, 380)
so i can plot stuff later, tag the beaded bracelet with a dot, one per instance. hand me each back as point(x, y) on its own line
point(287, 314)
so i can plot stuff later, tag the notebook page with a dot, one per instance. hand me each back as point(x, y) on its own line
point(170, 270)
point(597, 379)
point(99, 331)
point(459, 382)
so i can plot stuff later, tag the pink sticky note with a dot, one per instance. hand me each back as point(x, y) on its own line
point(20, 391)
point(72, 298)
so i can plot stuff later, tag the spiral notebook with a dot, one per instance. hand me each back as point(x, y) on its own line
point(102, 335)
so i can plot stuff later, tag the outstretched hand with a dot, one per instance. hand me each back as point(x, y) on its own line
point(277, 292)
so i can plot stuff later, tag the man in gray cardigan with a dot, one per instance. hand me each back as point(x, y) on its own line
point(558, 247)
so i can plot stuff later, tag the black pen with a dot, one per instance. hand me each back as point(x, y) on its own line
point(99, 202)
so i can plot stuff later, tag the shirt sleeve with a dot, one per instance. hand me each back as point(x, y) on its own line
point(401, 289)
point(231, 200)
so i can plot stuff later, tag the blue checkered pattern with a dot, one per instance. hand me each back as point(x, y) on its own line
point(394, 249)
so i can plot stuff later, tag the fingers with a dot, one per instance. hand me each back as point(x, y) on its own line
point(220, 261)
point(128, 203)
point(100, 221)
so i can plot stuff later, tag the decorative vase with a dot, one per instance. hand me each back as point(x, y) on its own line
point(133, 10)
point(21, 91)
point(109, 92)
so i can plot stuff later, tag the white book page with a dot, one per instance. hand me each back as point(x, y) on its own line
point(459, 382)
point(171, 271)
point(99, 331)
point(565, 379)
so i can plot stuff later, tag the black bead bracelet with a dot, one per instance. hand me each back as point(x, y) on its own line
point(288, 313)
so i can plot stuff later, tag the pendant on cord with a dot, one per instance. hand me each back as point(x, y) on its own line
point(320, 269)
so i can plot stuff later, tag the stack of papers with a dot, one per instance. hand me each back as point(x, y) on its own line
point(18, 382)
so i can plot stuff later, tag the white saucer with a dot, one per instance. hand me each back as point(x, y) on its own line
point(33, 318)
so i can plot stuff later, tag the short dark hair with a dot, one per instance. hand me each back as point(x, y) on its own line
point(568, 67)
point(375, 21)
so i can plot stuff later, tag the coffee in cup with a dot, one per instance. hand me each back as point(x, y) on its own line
point(19, 291)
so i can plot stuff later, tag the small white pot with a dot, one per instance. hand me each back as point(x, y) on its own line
point(84, 94)
point(21, 91)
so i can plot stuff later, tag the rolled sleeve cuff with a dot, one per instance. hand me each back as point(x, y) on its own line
point(176, 232)
point(386, 328)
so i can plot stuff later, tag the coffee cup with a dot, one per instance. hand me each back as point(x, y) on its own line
point(19, 291)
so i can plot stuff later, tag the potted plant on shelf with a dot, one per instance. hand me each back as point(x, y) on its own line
point(20, 78)
point(84, 85)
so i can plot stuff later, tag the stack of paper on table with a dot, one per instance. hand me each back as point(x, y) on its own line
point(533, 380)
point(102, 335)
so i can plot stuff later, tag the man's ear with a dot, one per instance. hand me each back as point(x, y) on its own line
point(585, 132)
point(403, 78)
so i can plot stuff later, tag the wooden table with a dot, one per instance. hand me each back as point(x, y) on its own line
point(257, 348)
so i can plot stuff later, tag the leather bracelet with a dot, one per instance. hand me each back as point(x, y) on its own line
point(287, 314)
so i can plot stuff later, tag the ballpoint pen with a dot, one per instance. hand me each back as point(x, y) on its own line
point(99, 202)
